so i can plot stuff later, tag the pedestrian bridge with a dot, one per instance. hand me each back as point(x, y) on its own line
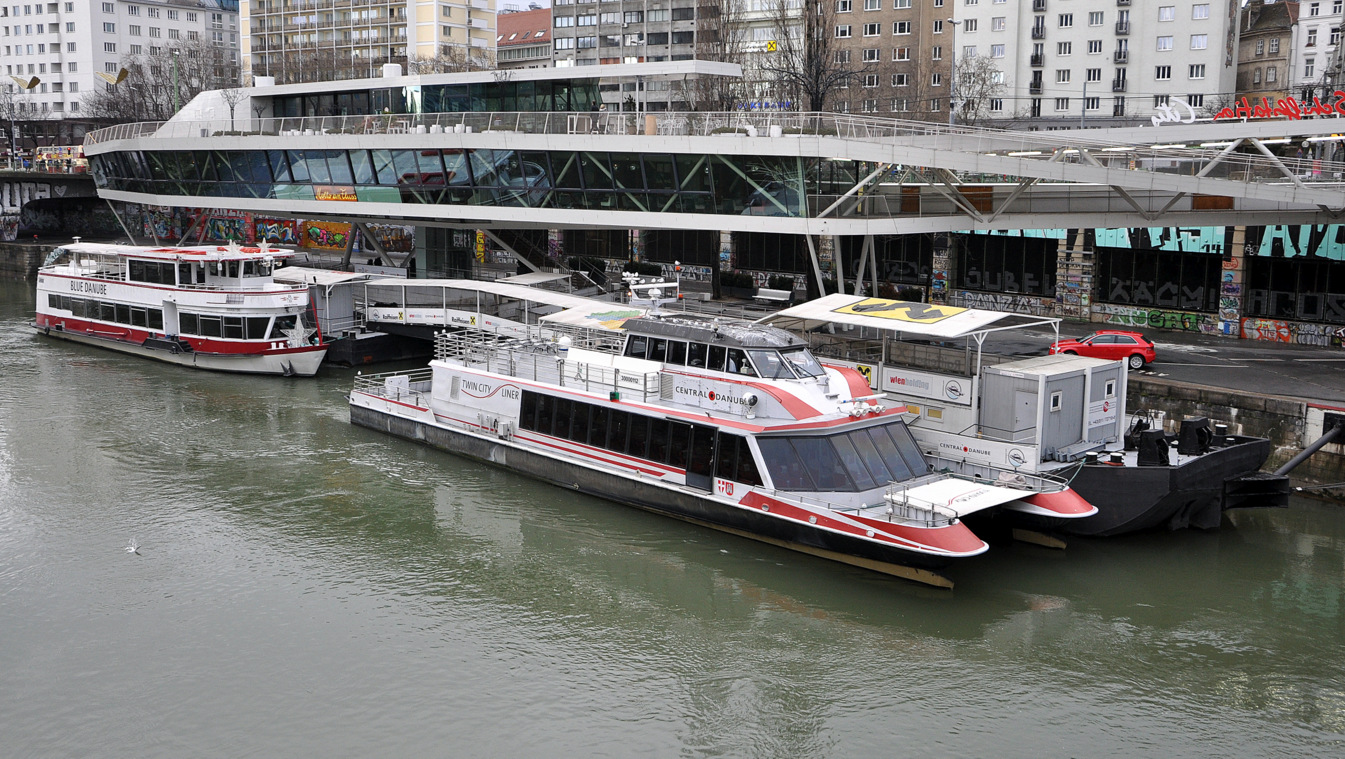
point(799, 173)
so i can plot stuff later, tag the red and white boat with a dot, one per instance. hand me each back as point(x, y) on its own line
point(209, 307)
point(730, 425)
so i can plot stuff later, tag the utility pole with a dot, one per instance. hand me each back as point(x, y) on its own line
point(952, 83)
point(176, 91)
point(1083, 111)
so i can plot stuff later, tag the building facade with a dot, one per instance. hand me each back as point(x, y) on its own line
point(1067, 63)
point(1316, 37)
point(523, 39)
point(314, 40)
point(1265, 63)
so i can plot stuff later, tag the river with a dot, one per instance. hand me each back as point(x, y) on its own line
point(305, 587)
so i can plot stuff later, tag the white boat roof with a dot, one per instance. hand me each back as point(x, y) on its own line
point(232, 252)
point(608, 316)
point(307, 275)
point(906, 317)
point(533, 278)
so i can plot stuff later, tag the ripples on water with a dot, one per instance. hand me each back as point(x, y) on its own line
point(308, 587)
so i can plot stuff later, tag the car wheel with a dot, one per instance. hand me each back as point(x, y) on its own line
point(1070, 353)
point(1136, 361)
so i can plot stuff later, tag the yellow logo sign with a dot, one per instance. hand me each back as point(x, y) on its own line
point(900, 310)
point(867, 372)
point(772, 46)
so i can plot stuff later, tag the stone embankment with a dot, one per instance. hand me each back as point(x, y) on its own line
point(19, 260)
point(1290, 423)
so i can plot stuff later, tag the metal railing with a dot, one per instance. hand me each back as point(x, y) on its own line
point(405, 387)
point(1041, 146)
point(542, 357)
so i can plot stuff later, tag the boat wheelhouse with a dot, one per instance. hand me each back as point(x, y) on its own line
point(209, 307)
point(730, 425)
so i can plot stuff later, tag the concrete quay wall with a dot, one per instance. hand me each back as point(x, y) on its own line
point(20, 260)
point(1290, 423)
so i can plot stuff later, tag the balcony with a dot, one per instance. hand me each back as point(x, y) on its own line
point(1123, 27)
point(1122, 56)
point(1123, 3)
point(1034, 88)
point(1118, 85)
point(1038, 60)
point(1038, 32)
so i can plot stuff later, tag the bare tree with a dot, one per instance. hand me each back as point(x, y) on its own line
point(979, 83)
point(451, 59)
point(232, 96)
point(168, 78)
point(722, 35)
point(809, 65)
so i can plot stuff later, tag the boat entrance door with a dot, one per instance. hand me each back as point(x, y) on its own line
point(1024, 415)
point(170, 323)
point(701, 458)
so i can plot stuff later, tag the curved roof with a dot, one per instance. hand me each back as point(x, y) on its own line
point(908, 318)
point(706, 329)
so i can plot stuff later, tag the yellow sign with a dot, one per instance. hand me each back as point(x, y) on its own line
point(334, 192)
point(900, 310)
point(480, 246)
point(866, 371)
point(772, 46)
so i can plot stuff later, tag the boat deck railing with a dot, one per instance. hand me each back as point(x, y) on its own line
point(411, 387)
point(541, 356)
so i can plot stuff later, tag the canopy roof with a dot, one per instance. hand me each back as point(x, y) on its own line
point(230, 252)
point(908, 318)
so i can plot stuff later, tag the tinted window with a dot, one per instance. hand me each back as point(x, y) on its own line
point(637, 346)
point(639, 436)
point(546, 409)
point(854, 466)
point(882, 442)
point(186, 323)
point(747, 466)
point(658, 349)
point(716, 360)
point(579, 423)
point(210, 326)
point(677, 352)
point(527, 415)
point(726, 463)
point(257, 326)
point(564, 410)
point(696, 354)
point(787, 471)
point(737, 362)
point(597, 434)
point(824, 465)
point(677, 446)
point(910, 452)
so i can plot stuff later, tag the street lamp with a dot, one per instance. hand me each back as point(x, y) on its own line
point(27, 85)
point(176, 91)
point(952, 82)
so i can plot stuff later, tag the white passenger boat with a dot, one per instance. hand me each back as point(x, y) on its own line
point(733, 426)
point(209, 307)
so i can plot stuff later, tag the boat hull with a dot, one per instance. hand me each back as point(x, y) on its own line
point(669, 500)
point(1136, 499)
point(300, 362)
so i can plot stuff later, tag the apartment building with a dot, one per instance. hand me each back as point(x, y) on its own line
point(1316, 37)
point(1072, 62)
point(523, 39)
point(314, 40)
point(1265, 63)
point(61, 48)
point(902, 51)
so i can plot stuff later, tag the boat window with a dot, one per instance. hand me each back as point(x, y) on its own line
point(53, 301)
point(618, 423)
point(545, 410)
point(891, 455)
point(210, 326)
point(803, 362)
point(139, 318)
point(677, 352)
point(770, 365)
point(726, 461)
point(639, 436)
point(256, 269)
point(156, 318)
point(107, 311)
point(600, 426)
point(637, 346)
point(910, 452)
point(747, 466)
point(702, 451)
point(716, 359)
point(658, 440)
point(824, 465)
point(564, 410)
point(787, 471)
point(696, 354)
point(257, 327)
point(184, 274)
point(123, 313)
point(579, 423)
point(153, 272)
point(658, 349)
point(282, 326)
point(738, 364)
point(233, 327)
point(677, 445)
point(873, 460)
point(854, 465)
point(186, 324)
point(527, 410)
point(231, 268)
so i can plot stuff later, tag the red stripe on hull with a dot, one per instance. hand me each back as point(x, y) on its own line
point(955, 539)
point(136, 336)
point(1066, 503)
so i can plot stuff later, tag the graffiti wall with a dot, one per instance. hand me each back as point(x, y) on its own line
point(162, 222)
point(329, 235)
point(13, 197)
point(394, 238)
point(277, 231)
point(1176, 239)
point(1299, 333)
point(1019, 304)
point(1133, 317)
point(1325, 241)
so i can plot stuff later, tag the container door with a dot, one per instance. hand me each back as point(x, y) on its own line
point(1024, 415)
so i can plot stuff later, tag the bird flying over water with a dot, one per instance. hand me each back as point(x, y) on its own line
point(133, 547)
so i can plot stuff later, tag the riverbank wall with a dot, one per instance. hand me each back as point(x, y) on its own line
point(20, 260)
point(1291, 424)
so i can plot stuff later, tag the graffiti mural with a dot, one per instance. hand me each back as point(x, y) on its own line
point(394, 237)
point(1177, 239)
point(277, 231)
point(1300, 333)
point(1157, 318)
point(326, 234)
point(161, 222)
point(1019, 304)
point(13, 197)
point(1325, 241)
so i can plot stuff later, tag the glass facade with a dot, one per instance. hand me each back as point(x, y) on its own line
point(538, 179)
point(489, 97)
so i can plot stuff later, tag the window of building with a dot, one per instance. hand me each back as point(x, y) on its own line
point(997, 51)
point(1196, 71)
point(1200, 10)
point(1064, 48)
point(1094, 47)
point(873, 5)
point(1164, 43)
point(1162, 73)
point(901, 27)
point(1095, 18)
point(109, 27)
point(870, 80)
point(1062, 76)
point(1200, 41)
point(900, 80)
point(870, 54)
point(901, 53)
point(1274, 47)
point(936, 52)
point(842, 31)
point(1311, 40)
point(969, 25)
point(842, 56)
point(872, 30)
point(1065, 21)
point(1167, 13)
point(1093, 75)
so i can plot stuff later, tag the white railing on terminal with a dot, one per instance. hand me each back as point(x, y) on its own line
point(1071, 148)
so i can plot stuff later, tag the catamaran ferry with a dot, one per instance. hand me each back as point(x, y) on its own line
point(729, 425)
point(210, 307)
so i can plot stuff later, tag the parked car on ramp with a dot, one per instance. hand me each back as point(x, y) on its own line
point(1131, 347)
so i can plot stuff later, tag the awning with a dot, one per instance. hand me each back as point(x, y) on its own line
point(533, 278)
point(609, 316)
point(919, 319)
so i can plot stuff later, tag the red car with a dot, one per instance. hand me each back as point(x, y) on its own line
point(1131, 347)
